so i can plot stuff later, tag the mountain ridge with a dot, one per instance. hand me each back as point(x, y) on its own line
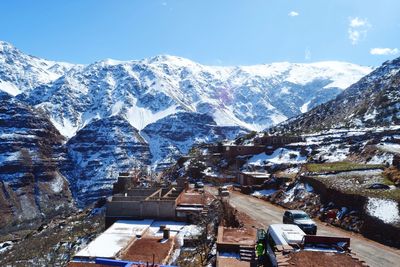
point(371, 102)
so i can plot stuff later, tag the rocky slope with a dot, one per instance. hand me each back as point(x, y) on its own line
point(105, 147)
point(32, 187)
point(173, 136)
point(374, 101)
point(98, 152)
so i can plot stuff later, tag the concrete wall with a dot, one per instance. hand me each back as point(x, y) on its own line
point(124, 208)
point(145, 192)
point(277, 140)
point(153, 209)
point(231, 152)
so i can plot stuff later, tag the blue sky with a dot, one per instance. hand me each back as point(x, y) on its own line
point(214, 32)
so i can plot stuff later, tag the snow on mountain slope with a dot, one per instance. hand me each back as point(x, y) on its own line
point(32, 187)
point(20, 72)
point(174, 135)
point(145, 91)
point(98, 152)
point(370, 103)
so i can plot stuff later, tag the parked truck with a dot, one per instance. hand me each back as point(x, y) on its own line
point(288, 245)
point(223, 191)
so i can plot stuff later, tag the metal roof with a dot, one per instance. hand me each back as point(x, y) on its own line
point(286, 234)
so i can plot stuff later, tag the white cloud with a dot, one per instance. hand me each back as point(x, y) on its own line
point(357, 22)
point(384, 51)
point(358, 29)
point(354, 36)
point(293, 14)
point(307, 54)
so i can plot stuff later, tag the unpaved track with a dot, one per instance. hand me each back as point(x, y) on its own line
point(373, 253)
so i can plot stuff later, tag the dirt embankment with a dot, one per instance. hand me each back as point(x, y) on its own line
point(317, 259)
point(373, 228)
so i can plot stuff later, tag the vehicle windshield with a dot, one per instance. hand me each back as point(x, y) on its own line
point(300, 216)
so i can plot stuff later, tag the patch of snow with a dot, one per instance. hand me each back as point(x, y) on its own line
point(190, 230)
point(280, 156)
point(9, 88)
point(384, 209)
point(66, 128)
point(265, 192)
point(57, 183)
point(332, 153)
point(4, 246)
point(371, 115)
point(9, 156)
point(389, 147)
point(140, 117)
point(299, 187)
point(304, 107)
point(381, 159)
point(115, 238)
point(116, 108)
point(308, 187)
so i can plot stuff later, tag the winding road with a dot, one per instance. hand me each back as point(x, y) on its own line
point(373, 253)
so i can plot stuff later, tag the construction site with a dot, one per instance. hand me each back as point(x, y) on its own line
point(146, 225)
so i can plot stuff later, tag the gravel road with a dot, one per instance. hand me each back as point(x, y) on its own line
point(373, 253)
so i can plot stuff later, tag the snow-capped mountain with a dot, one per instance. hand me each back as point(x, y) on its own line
point(253, 97)
point(118, 114)
point(20, 72)
point(374, 101)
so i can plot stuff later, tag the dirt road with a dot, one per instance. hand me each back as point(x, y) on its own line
point(373, 253)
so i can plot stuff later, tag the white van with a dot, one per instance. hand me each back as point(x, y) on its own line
point(280, 237)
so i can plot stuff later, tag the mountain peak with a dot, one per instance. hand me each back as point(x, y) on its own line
point(7, 47)
point(169, 59)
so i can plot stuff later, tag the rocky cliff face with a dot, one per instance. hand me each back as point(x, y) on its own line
point(98, 152)
point(32, 187)
point(173, 136)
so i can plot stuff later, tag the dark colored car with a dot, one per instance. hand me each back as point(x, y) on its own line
point(378, 186)
point(199, 185)
point(301, 219)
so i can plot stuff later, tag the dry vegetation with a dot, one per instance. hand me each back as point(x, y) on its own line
point(393, 174)
point(54, 244)
point(340, 166)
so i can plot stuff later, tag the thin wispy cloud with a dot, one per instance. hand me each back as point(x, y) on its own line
point(307, 54)
point(358, 29)
point(293, 14)
point(384, 51)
